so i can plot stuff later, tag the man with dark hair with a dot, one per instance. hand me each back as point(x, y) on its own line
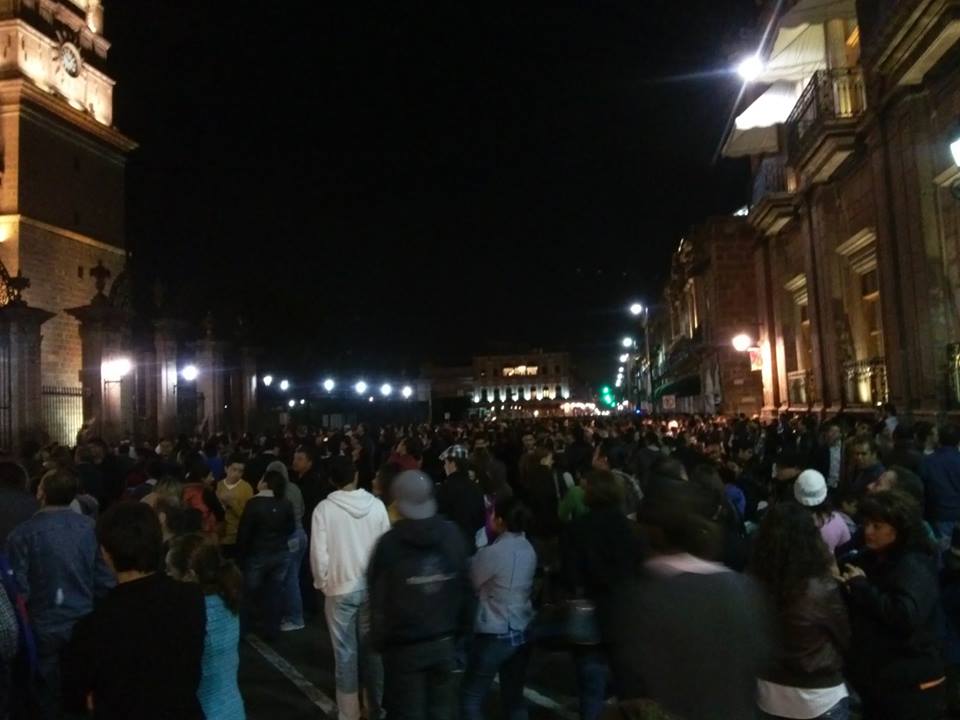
point(58, 567)
point(459, 498)
point(346, 527)
point(612, 455)
point(138, 654)
point(866, 457)
point(941, 479)
point(16, 504)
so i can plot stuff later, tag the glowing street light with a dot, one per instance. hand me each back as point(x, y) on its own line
point(116, 370)
point(284, 385)
point(742, 342)
point(190, 373)
point(329, 384)
point(620, 370)
point(267, 380)
point(636, 309)
point(386, 390)
point(360, 387)
point(291, 403)
point(624, 357)
point(627, 342)
point(751, 68)
point(407, 392)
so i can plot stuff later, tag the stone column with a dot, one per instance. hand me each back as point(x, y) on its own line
point(20, 329)
point(210, 384)
point(249, 386)
point(166, 343)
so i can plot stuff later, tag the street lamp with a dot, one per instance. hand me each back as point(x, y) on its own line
point(291, 403)
point(190, 373)
point(627, 342)
point(624, 357)
point(329, 384)
point(115, 370)
point(407, 392)
point(302, 401)
point(636, 309)
point(284, 385)
point(267, 380)
point(750, 68)
point(386, 390)
point(742, 342)
point(360, 387)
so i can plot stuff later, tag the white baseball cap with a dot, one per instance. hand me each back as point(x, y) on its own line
point(810, 488)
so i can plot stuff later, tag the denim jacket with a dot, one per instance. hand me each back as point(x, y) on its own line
point(502, 575)
point(57, 564)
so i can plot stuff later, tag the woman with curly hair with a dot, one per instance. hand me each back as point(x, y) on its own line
point(894, 601)
point(791, 562)
point(196, 559)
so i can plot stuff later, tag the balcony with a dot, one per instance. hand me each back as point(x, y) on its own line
point(800, 388)
point(823, 126)
point(865, 382)
point(904, 39)
point(774, 199)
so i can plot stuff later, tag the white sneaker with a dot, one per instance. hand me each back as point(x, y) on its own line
point(287, 626)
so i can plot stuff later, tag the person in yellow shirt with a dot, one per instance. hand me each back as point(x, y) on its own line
point(233, 492)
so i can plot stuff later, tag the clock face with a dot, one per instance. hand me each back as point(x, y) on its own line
point(70, 59)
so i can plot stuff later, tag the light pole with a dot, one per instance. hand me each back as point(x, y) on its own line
point(637, 310)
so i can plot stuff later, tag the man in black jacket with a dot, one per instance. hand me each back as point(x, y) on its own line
point(459, 498)
point(420, 603)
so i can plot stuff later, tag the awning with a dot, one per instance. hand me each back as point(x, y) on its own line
point(755, 129)
point(797, 53)
point(807, 12)
point(688, 386)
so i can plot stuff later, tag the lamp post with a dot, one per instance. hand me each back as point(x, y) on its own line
point(637, 309)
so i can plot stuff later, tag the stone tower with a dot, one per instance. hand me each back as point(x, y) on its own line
point(61, 165)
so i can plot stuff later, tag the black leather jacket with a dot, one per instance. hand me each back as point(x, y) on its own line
point(813, 634)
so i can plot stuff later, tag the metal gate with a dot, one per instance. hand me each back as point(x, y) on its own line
point(6, 395)
point(63, 413)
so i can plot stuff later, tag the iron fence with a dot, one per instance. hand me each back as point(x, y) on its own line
point(62, 413)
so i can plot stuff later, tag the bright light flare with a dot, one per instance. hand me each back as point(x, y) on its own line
point(190, 373)
point(742, 342)
point(116, 370)
point(750, 68)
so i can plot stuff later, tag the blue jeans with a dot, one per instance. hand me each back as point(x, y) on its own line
point(840, 711)
point(348, 619)
point(292, 598)
point(593, 674)
point(263, 577)
point(490, 656)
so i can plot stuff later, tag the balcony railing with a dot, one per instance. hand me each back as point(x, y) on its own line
point(865, 382)
point(771, 178)
point(831, 95)
point(800, 388)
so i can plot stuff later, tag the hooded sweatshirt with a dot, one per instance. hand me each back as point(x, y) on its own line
point(344, 530)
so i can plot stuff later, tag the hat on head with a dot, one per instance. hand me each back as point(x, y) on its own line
point(412, 493)
point(455, 451)
point(810, 489)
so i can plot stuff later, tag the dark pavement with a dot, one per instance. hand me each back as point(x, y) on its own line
point(302, 686)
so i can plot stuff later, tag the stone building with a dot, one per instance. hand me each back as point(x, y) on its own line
point(69, 353)
point(708, 301)
point(855, 203)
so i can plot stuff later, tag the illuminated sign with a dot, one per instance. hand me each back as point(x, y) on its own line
point(521, 371)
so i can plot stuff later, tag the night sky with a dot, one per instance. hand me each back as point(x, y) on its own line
point(378, 184)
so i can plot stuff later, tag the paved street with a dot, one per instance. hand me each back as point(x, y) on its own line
point(293, 679)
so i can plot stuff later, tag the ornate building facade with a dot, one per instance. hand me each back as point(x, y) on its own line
point(855, 205)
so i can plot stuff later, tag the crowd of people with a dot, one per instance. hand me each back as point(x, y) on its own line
point(694, 568)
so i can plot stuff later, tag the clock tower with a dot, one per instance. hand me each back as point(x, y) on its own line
point(61, 165)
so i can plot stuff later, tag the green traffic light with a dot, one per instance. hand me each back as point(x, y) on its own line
point(605, 390)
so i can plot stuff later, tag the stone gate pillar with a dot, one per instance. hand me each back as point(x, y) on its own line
point(20, 332)
point(166, 342)
point(107, 362)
